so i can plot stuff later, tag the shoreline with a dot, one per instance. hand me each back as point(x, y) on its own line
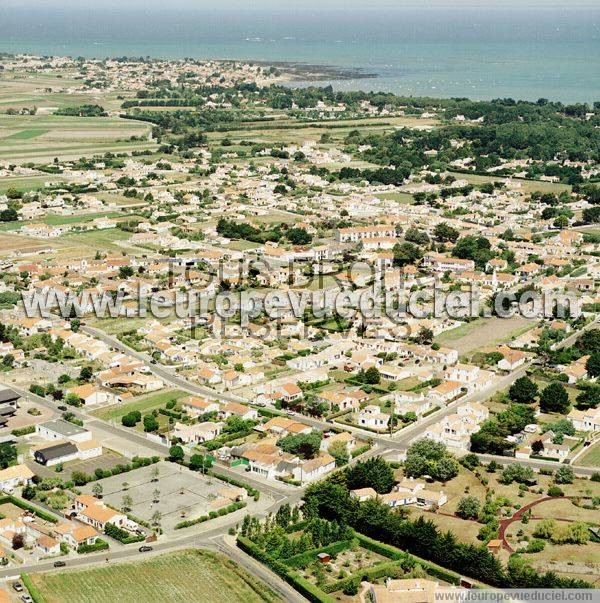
point(297, 71)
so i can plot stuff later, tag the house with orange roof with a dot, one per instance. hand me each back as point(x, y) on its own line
point(195, 406)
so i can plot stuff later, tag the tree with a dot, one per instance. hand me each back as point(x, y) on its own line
point(406, 253)
point(155, 473)
point(589, 397)
point(414, 235)
point(445, 469)
point(150, 423)
point(373, 473)
point(80, 478)
point(156, 518)
point(339, 451)
point(443, 232)
point(564, 475)
point(125, 272)
point(131, 419)
point(554, 398)
point(468, 508)
point(97, 490)
point(516, 473)
point(86, 373)
point(156, 496)
point(537, 447)
point(473, 248)
point(28, 492)
point(18, 541)
point(523, 391)
point(545, 529)
point(127, 503)
point(8, 454)
point(592, 364)
point(424, 336)
point(372, 376)
point(200, 463)
point(176, 454)
point(305, 445)
point(298, 236)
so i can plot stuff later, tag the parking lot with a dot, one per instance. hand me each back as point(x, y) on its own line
point(182, 493)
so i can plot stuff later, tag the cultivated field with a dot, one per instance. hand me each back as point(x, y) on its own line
point(184, 576)
point(41, 138)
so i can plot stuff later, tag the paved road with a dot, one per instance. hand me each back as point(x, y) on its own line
point(168, 375)
point(207, 537)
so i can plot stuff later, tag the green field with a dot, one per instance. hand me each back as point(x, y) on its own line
point(142, 403)
point(529, 186)
point(42, 137)
point(26, 134)
point(402, 198)
point(183, 576)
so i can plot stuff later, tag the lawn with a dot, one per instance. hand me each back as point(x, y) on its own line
point(592, 457)
point(188, 575)
point(142, 403)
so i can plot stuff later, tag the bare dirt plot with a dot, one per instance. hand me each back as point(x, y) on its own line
point(10, 242)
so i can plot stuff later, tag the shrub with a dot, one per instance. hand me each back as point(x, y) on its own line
point(555, 491)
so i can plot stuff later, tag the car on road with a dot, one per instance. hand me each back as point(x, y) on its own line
point(62, 407)
point(17, 586)
point(59, 564)
point(145, 548)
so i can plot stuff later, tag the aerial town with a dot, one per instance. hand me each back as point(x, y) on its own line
point(189, 376)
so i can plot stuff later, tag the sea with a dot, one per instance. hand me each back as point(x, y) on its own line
point(480, 53)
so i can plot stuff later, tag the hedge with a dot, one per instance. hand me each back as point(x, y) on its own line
point(381, 570)
point(33, 591)
point(303, 586)
point(170, 413)
point(228, 437)
point(26, 506)
point(23, 431)
point(99, 545)
point(380, 548)
point(212, 515)
point(303, 559)
point(392, 552)
point(123, 536)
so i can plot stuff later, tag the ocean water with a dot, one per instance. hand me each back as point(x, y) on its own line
point(479, 53)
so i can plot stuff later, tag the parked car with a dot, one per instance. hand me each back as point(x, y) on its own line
point(26, 599)
point(145, 548)
point(17, 586)
point(59, 564)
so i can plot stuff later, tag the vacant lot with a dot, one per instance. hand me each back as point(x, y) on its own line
point(183, 576)
point(481, 332)
point(143, 403)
